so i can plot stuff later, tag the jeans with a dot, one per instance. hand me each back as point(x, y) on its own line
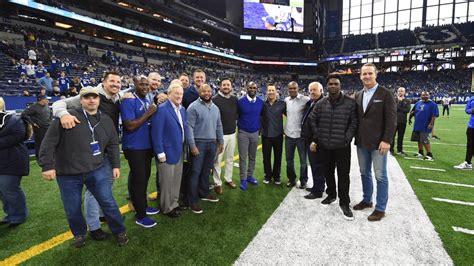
point(98, 183)
point(275, 143)
point(91, 206)
point(13, 199)
point(290, 145)
point(366, 159)
point(201, 170)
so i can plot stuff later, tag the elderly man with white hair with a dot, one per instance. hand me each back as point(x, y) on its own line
point(168, 137)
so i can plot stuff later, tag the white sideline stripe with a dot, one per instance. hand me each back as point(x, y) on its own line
point(463, 230)
point(427, 168)
point(454, 201)
point(446, 183)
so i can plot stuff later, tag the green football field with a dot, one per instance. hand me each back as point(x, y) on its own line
point(221, 233)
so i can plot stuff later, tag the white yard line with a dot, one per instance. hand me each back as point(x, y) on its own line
point(446, 183)
point(454, 201)
point(427, 168)
point(463, 230)
point(304, 232)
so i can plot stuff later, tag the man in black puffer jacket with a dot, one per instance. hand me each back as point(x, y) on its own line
point(334, 124)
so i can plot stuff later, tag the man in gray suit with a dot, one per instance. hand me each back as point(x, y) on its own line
point(377, 113)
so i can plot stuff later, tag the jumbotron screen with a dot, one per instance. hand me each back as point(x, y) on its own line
point(276, 15)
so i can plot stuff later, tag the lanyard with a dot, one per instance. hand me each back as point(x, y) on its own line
point(91, 128)
point(143, 103)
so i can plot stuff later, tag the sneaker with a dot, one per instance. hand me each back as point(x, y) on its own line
point(346, 211)
point(79, 241)
point(146, 222)
point(436, 137)
point(463, 166)
point(290, 184)
point(267, 180)
point(252, 180)
point(428, 158)
point(328, 200)
point(122, 239)
point(278, 182)
point(195, 208)
point(210, 198)
point(402, 153)
point(152, 211)
point(243, 184)
point(98, 234)
point(418, 155)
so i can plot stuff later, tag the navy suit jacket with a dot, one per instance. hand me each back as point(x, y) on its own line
point(166, 132)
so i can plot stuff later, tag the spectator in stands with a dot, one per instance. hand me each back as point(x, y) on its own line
point(39, 116)
point(191, 94)
point(63, 83)
point(272, 135)
point(227, 104)
point(467, 164)
point(46, 83)
point(24, 78)
point(21, 67)
point(56, 92)
point(40, 70)
point(91, 141)
point(72, 92)
point(403, 108)
point(32, 55)
point(30, 70)
point(25, 93)
point(168, 137)
point(250, 109)
point(85, 80)
point(377, 121)
point(136, 144)
point(93, 82)
point(316, 94)
point(205, 138)
point(54, 65)
point(68, 66)
point(425, 112)
point(295, 106)
point(14, 164)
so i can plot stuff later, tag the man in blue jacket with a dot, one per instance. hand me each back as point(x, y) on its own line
point(467, 164)
point(168, 135)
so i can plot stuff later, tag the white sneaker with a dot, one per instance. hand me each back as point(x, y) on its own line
point(463, 166)
point(428, 158)
point(418, 155)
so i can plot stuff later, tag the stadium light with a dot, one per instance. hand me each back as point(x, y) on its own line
point(62, 25)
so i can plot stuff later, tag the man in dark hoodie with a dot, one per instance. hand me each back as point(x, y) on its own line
point(76, 157)
point(14, 164)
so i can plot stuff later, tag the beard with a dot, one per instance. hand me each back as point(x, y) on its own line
point(205, 100)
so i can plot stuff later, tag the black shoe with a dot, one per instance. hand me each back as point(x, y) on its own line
point(328, 200)
point(98, 234)
point(346, 211)
point(174, 213)
point(2, 222)
point(302, 185)
point(313, 196)
point(79, 241)
point(102, 219)
point(13, 225)
point(309, 189)
point(183, 207)
point(122, 239)
point(290, 184)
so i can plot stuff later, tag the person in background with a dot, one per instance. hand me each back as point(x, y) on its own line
point(467, 164)
point(403, 108)
point(39, 116)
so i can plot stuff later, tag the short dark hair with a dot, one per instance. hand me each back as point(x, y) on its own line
point(109, 73)
point(184, 74)
point(225, 78)
point(333, 76)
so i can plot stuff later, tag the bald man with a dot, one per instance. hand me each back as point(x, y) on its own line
point(403, 108)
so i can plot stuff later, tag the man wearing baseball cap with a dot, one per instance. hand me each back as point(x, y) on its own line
point(76, 156)
point(39, 116)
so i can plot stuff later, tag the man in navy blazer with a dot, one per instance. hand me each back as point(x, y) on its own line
point(168, 137)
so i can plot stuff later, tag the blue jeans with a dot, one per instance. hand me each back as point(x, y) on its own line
point(13, 198)
point(98, 183)
point(91, 206)
point(201, 170)
point(291, 145)
point(366, 159)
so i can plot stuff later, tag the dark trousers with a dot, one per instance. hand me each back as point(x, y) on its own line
point(317, 172)
point(275, 143)
point(470, 144)
point(140, 168)
point(201, 170)
point(39, 136)
point(446, 109)
point(291, 145)
point(340, 158)
point(400, 131)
